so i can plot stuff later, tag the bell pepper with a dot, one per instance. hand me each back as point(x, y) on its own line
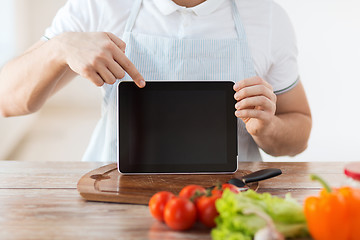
point(335, 214)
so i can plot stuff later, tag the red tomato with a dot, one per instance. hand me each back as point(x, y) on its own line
point(180, 213)
point(206, 210)
point(217, 191)
point(157, 204)
point(232, 188)
point(189, 191)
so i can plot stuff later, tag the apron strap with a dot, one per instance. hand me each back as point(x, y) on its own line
point(237, 20)
point(133, 15)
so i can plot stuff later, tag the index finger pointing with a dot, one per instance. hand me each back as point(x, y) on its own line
point(130, 68)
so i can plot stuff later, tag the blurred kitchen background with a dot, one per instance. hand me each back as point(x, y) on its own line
point(328, 33)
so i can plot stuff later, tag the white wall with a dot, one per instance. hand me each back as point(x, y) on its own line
point(11, 130)
point(328, 33)
point(7, 33)
point(31, 19)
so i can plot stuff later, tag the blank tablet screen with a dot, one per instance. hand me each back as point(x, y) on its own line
point(177, 127)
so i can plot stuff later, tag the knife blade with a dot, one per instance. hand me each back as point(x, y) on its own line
point(255, 177)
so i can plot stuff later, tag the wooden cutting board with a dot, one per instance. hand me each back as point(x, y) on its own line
point(106, 184)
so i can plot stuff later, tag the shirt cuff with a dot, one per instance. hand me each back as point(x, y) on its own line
point(288, 88)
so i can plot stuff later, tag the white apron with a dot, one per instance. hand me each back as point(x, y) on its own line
point(162, 58)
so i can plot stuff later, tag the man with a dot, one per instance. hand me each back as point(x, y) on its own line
point(249, 42)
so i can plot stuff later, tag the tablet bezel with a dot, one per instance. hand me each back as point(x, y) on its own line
point(231, 164)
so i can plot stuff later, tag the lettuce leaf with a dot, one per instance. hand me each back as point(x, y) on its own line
point(232, 223)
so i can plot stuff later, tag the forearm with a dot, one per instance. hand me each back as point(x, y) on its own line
point(287, 134)
point(27, 81)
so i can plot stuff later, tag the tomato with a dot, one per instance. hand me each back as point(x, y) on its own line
point(232, 188)
point(190, 190)
point(217, 191)
point(180, 213)
point(206, 210)
point(157, 204)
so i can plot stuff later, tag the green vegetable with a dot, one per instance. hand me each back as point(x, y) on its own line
point(233, 223)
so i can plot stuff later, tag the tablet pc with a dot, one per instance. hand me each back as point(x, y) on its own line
point(177, 127)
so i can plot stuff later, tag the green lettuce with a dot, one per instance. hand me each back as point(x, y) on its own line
point(232, 223)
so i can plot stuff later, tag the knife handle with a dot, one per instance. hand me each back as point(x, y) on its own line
point(261, 175)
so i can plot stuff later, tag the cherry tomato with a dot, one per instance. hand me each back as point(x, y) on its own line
point(180, 213)
point(190, 190)
point(157, 204)
point(232, 188)
point(206, 210)
point(217, 191)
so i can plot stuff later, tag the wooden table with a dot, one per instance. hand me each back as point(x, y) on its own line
point(40, 201)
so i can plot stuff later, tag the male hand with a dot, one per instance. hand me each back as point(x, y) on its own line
point(97, 56)
point(256, 104)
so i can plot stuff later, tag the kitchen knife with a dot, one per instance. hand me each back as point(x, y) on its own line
point(255, 177)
